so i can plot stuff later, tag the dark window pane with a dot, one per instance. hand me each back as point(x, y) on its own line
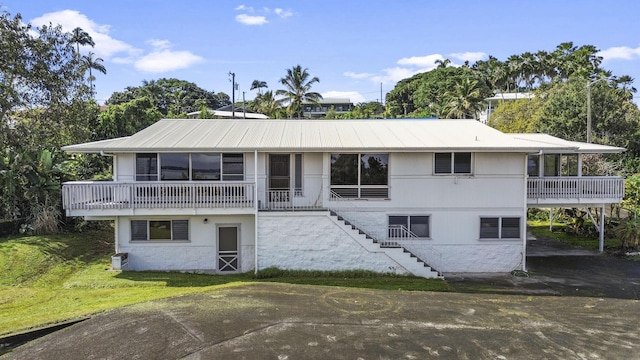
point(443, 163)
point(344, 169)
point(298, 172)
point(279, 169)
point(398, 220)
point(552, 165)
point(174, 166)
point(180, 229)
point(462, 163)
point(374, 169)
point(533, 165)
point(146, 167)
point(138, 230)
point(419, 225)
point(489, 228)
point(205, 167)
point(232, 167)
point(569, 166)
point(159, 230)
point(228, 239)
point(397, 224)
point(511, 228)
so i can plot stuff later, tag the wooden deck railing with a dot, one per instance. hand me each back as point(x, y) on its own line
point(596, 187)
point(90, 195)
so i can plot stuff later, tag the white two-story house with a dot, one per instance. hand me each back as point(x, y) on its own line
point(405, 196)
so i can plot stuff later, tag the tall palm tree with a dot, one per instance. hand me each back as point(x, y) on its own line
point(267, 104)
point(464, 101)
point(442, 63)
point(298, 90)
point(81, 37)
point(258, 84)
point(89, 63)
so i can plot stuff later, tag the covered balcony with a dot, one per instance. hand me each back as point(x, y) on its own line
point(107, 198)
point(558, 191)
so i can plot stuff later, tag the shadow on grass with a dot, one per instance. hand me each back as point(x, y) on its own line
point(359, 279)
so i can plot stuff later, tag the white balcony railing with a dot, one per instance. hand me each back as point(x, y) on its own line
point(596, 187)
point(90, 195)
point(287, 200)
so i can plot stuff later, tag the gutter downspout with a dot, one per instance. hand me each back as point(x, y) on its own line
point(255, 204)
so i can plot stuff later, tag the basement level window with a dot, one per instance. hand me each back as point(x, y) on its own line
point(499, 228)
point(159, 230)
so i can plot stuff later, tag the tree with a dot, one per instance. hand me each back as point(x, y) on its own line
point(81, 37)
point(518, 116)
point(298, 84)
point(464, 101)
point(268, 105)
point(258, 84)
point(171, 96)
point(442, 63)
point(89, 63)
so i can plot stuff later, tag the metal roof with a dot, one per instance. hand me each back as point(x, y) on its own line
point(391, 135)
point(577, 147)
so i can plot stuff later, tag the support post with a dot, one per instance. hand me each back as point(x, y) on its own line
point(601, 244)
point(256, 209)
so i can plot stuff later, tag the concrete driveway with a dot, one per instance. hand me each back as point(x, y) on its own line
point(280, 321)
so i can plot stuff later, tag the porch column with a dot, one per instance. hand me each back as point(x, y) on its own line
point(523, 232)
point(579, 164)
point(601, 244)
point(255, 204)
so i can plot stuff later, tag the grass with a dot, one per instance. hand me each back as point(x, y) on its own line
point(49, 279)
point(540, 229)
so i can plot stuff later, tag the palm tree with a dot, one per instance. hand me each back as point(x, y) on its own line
point(267, 104)
point(298, 85)
point(464, 101)
point(442, 63)
point(89, 63)
point(258, 84)
point(81, 37)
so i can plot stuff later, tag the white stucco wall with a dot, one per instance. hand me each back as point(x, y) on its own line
point(311, 241)
point(197, 254)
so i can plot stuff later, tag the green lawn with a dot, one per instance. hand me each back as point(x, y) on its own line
point(53, 278)
point(541, 230)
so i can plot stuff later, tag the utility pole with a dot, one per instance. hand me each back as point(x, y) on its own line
point(381, 98)
point(589, 83)
point(233, 93)
point(244, 107)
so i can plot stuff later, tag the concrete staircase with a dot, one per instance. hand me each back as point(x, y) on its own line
point(397, 253)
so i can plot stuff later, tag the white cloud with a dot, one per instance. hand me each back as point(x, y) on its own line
point(469, 56)
point(106, 46)
point(244, 7)
point(251, 20)
point(393, 75)
point(357, 75)
point(283, 13)
point(620, 52)
point(166, 60)
point(427, 61)
point(353, 96)
point(159, 44)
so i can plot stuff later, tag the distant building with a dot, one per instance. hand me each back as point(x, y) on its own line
point(319, 110)
point(494, 101)
point(227, 112)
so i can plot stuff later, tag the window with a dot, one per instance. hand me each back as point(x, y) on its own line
point(560, 165)
point(159, 230)
point(500, 228)
point(408, 226)
point(360, 175)
point(452, 163)
point(297, 174)
point(174, 166)
point(146, 167)
point(184, 167)
point(533, 165)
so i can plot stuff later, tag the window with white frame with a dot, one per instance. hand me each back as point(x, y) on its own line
point(159, 230)
point(185, 167)
point(499, 228)
point(452, 163)
point(360, 175)
point(408, 226)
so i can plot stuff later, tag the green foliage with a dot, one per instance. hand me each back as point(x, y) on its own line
point(632, 193)
point(298, 83)
point(628, 231)
point(518, 116)
point(126, 118)
point(171, 96)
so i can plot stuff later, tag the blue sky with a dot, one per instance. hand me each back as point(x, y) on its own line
point(352, 46)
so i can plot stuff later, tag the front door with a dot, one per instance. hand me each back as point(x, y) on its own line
point(279, 177)
point(228, 256)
